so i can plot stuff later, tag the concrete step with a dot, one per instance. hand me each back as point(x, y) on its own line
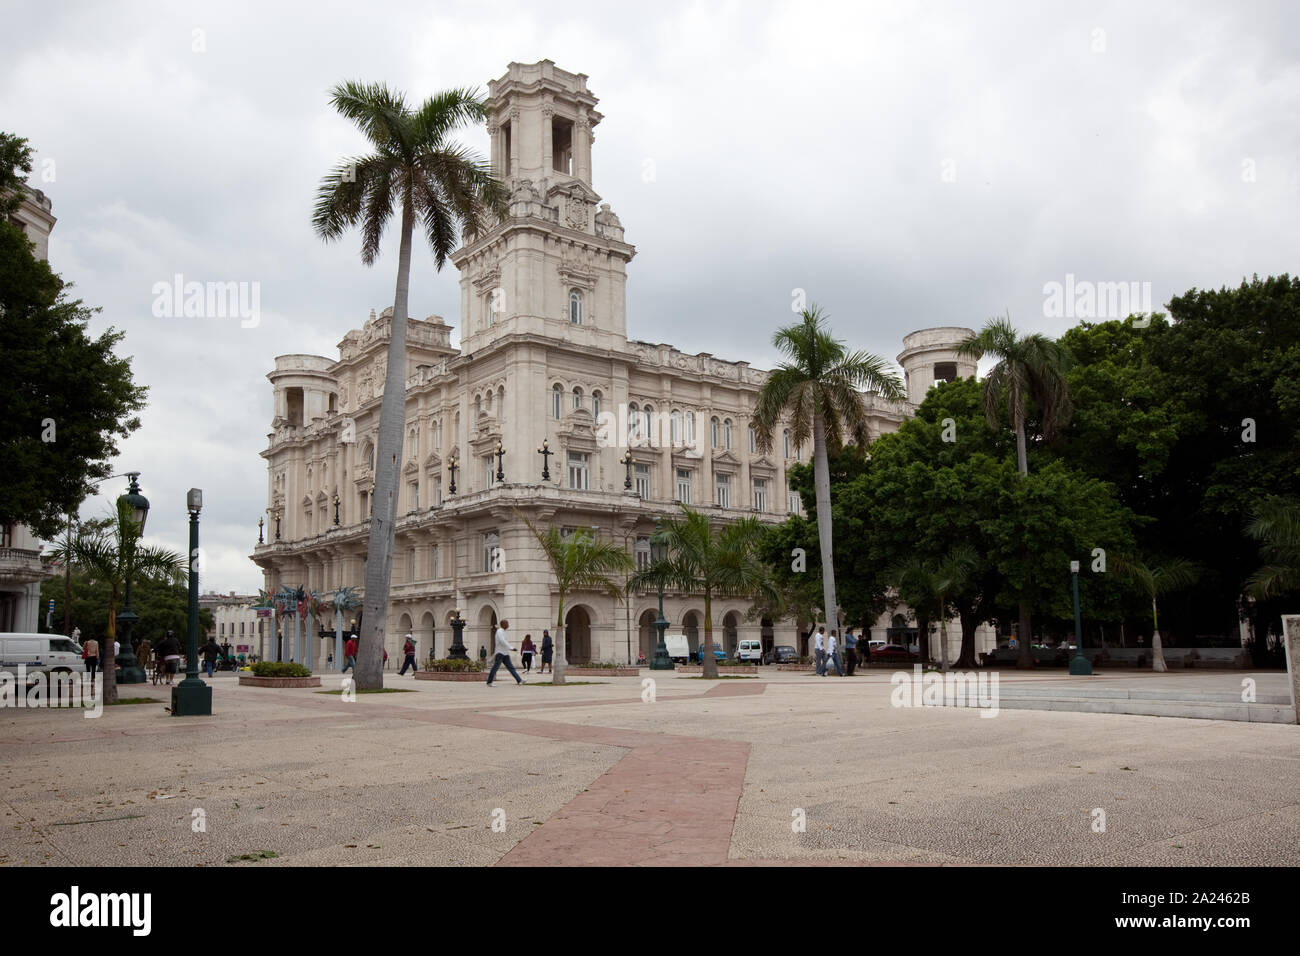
point(1206, 710)
point(1134, 693)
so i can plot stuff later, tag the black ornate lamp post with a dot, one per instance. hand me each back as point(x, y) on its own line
point(626, 461)
point(260, 522)
point(1079, 665)
point(276, 515)
point(129, 669)
point(457, 651)
point(546, 453)
point(336, 509)
point(500, 453)
point(452, 465)
point(192, 697)
point(658, 555)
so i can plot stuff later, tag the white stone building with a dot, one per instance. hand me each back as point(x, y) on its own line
point(633, 427)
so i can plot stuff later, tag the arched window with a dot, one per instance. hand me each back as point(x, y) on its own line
point(577, 398)
point(595, 404)
point(786, 436)
point(487, 403)
point(557, 402)
point(633, 424)
point(753, 440)
point(575, 306)
point(726, 434)
point(478, 409)
point(647, 419)
point(713, 432)
point(675, 427)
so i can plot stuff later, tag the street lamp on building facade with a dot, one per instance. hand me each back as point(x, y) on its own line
point(546, 453)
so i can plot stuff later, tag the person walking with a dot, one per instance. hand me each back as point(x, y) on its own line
point(503, 651)
point(350, 654)
point(211, 651)
point(833, 656)
point(819, 651)
point(409, 650)
point(850, 652)
point(170, 650)
point(548, 653)
point(91, 653)
point(526, 650)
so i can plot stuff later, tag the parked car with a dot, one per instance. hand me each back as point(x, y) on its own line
point(782, 654)
point(679, 649)
point(750, 651)
point(40, 653)
point(894, 652)
point(718, 653)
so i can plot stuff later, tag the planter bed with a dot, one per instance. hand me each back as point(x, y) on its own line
point(572, 671)
point(751, 669)
point(471, 676)
point(248, 680)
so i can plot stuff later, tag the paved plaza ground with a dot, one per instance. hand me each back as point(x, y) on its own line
point(709, 773)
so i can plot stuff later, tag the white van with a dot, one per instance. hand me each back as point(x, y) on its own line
point(679, 648)
point(750, 651)
point(40, 653)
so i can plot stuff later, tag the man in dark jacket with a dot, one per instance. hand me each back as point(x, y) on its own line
point(211, 651)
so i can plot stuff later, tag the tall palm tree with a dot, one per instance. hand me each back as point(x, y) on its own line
point(111, 551)
point(706, 560)
point(580, 562)
point(1028, 367)
point(417, 168)
point(929, 585)
point(1276, 523)
point(1154, 581)
point(819, 392)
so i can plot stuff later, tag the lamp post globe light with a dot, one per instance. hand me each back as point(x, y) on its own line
point(1079, 664)
point(129, 669)
point(659, 554)
point(192, 697)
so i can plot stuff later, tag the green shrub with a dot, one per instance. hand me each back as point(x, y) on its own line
point(452, 665)
point(280, 669)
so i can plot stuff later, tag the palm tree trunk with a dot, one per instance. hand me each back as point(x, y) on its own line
point(923, 642)
point(1157, 650)
point(968, 624)
point(1022, 457)
point(822, 484)
point(943, 639)
point(558, 662)
point(107, 659)
point(392, 427)
point(710, 662)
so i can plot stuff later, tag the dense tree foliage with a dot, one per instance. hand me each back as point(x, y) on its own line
point(67, 398)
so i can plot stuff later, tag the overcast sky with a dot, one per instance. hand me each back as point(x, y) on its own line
point(908, 165)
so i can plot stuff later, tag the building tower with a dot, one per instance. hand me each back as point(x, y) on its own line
point(556, 266)
point(930, 356)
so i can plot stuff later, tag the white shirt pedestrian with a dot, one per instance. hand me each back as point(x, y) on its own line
point(503, 642)
point(817, 642)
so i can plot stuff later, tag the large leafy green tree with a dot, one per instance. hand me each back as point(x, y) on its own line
point(161, 604)
point(579, 561)
point(1028, 378)
point(1196, 421)
point(67, 398)
point(817, 390)
point(927, 584)
point(111, 553)
point(418, 172)
point(713, 560)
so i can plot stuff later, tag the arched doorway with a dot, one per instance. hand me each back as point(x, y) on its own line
point(649, 637)
point(425, 644)
point(730, 633)
point(486, 637)
point(691, 628)
point(577, 636)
